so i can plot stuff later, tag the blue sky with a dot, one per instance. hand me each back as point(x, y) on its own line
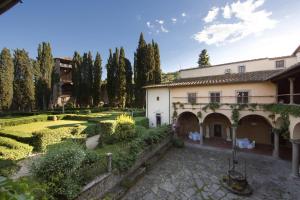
point(230, 30)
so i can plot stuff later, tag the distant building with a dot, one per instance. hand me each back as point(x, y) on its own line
point(62, 91)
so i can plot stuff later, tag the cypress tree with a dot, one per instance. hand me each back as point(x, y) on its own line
point(115, 66)
point(129, 85)
point(110, 87)
point(157, 70)
point(84, 85)
point(90, 78)
point(76, 77)
point(97, 79)
point(45, 63)
point(6, 79)
point(203, 58)
point(23, 97)
point(150, 65)
point(122, 79)
point(140, 70)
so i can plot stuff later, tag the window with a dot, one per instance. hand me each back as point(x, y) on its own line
point(279, 63)
point(215, 97)
point(242, 69)
point(157, 98)
point(227, 71)
point(192, 98)
point(242, 97)
point(158, 119)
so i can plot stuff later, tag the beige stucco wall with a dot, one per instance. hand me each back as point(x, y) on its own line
point(161, 106)
point(251, 66)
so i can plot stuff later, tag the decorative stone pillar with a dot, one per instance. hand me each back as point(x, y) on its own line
point(207, 132)
point(201, 132)
point(228, 134)
point(109, 161)
point(295, 160)
point(276, 145)
point(291, 90)
point(233, 137)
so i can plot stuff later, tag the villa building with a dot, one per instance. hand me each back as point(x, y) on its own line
point(233, 100)
point(62, 91)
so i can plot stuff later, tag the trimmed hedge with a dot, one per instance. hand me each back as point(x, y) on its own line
point(13, 150)
point(23, 120)
point(41, 139)
point(125, 128)
point(107, 128)
point(142, 121)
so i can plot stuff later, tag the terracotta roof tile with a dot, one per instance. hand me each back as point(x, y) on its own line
point(247, 77)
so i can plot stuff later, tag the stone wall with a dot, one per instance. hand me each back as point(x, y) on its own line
point(102, 184)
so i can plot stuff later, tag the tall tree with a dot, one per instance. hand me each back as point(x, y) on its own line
point(6, 79)
point(203, 58)
point(150, 64)
point(157, 69)
point(97, 79)
point(122, 79)
point(45, 63)
point(23, 97)
point(110, 86)
point(76, 77)
point(90, 78)
point(115, 66)
point(129, 85)
point(140, 71)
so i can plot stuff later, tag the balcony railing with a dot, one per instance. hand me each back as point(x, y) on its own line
point(65, 65)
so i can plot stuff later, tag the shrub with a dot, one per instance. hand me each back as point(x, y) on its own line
point(86, 112)
point(107, 129)
point(58, 168)
point(125, 128)
point(52, 117)
point(23, 188)
point(13, 150)
point(177, 142)
point(8, 167)
point(41, 139)
point(142, 121)
point(139, 113)
point(140, 130)
point(23, 120)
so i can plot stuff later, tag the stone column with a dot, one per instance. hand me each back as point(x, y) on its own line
point(276, 145)
point(207, 132)
point(201, 132)
point(228, 134)
point(109, 161)
point(233, 137)
point(295, 161)
point(291, 90)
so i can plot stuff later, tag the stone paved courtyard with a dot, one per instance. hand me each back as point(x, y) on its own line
point(193, 173)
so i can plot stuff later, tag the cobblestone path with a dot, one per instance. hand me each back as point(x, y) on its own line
point(193, 173)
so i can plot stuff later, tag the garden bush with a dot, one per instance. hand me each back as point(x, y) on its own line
point(8, 167)
point(107, 128)
point(23, 188)
point(142, 121)
point(125, 128)
point(13, 150)
point(41, 139)
point(58, 169)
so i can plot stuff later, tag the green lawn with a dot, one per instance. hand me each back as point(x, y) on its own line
point(26, 129)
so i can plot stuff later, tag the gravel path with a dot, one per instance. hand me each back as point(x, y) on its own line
point(92, 142)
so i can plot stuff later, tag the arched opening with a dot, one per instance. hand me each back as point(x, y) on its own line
point(217, 125)
point(187, 122)
point(296, 132)
point(255, 128)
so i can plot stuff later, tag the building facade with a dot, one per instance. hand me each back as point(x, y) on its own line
point(233, 100)
point(62, 91)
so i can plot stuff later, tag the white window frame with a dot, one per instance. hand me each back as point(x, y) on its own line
point(280, 61)
point(188, 97)
point(241, 67)
point(215, 92)
point(236, 96)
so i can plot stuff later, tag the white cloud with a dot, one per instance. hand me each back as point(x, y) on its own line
point(149, 25)
point(226, 12)
point(163, 29)
point(250, 21)
point(174, 20)
point(183, 14)
point(160, 21)
point(211, 15)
